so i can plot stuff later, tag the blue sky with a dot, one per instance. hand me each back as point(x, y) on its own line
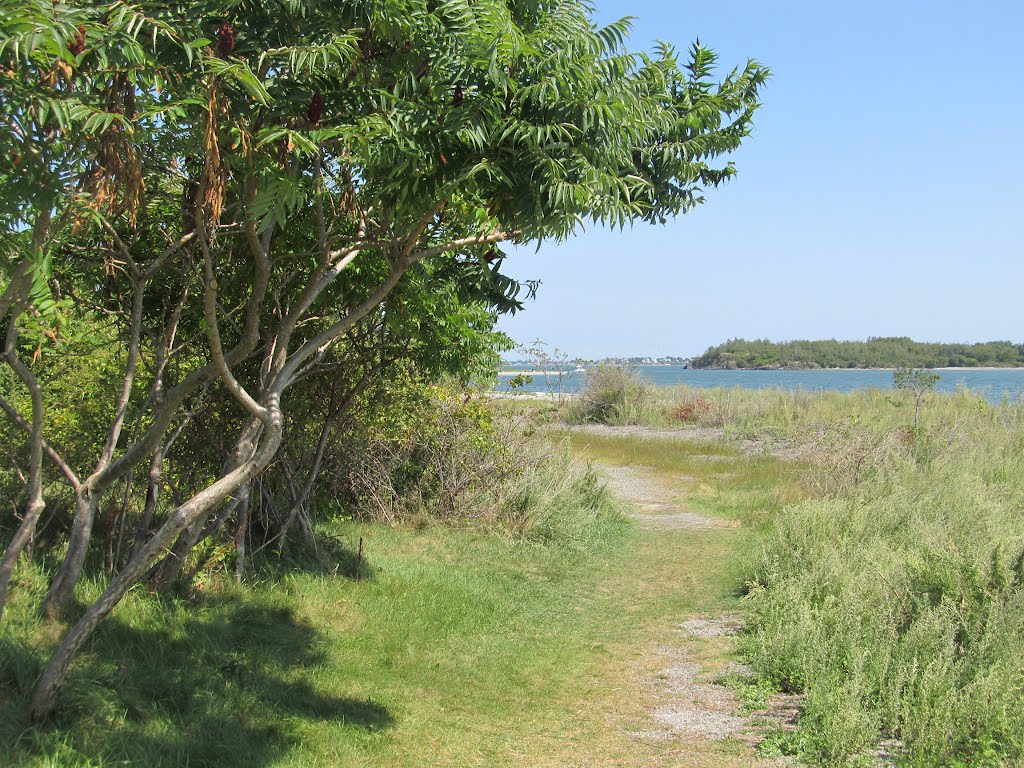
point(880, 194)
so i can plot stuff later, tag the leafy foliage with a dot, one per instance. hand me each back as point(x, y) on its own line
point(270, 210)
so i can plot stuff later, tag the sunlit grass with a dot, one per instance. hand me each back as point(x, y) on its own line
point(459, 648)
point(714, 477)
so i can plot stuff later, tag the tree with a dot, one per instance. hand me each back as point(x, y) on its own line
point(233, 189)
point(918, 382)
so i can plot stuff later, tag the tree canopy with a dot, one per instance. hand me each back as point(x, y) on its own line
point(882, 352)
point(229, 203)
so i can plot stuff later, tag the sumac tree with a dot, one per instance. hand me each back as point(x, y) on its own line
point(232, 188)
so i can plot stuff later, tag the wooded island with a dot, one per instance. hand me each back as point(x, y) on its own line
point(882, 352)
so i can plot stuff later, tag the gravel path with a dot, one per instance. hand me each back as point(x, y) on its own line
point(689, 705)
point(650, 502)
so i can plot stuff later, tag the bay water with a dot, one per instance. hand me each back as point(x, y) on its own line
point(993, 384)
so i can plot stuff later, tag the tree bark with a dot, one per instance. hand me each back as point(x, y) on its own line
point(63, 586)
point(241, 533)
point(307, 486)
point(45, 695)
point(88, 495)
point(167, 570)
point(35, 505)
point(152, 499)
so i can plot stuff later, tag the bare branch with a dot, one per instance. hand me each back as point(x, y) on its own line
point(213, 332)
point(454, 245)
point(48, 450)
point(35, 505)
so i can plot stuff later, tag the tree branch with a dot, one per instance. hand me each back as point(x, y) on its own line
point(48, 450)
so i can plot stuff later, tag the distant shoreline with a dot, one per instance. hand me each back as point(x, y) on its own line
point(878, 352)
point(944, 368)
point(640, 365)
point(534, 373)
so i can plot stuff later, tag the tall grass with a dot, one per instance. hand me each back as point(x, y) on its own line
point(890, 589)
point(793, 413)
point(893, 599)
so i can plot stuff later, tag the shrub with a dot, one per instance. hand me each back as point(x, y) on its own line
point(449, 456)
point(612, 395)
point(440, 456)
point(896, 603)
point(691, 409)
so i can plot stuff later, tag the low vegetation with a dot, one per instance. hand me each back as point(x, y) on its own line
point(611, 395)
point(377, 645)
point(889, 591)
point(894, 600)
point(465, 585)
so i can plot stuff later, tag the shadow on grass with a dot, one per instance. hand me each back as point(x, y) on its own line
point(330, 556)
point(228, 682)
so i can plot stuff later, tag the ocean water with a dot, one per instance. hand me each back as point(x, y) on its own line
point(995, 385)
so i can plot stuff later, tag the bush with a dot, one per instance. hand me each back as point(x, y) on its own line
point(691, 409)
point(446, 455)
point(612, 395)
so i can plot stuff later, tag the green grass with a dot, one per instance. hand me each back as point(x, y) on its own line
point(887, 585)
point(712, 477)
point(879, 569)
point(459, 648)
point(892, 597)
point(457, 645)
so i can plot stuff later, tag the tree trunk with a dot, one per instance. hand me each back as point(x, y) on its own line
point(152, 499)
point(63, 587)
point(45, 695)
point(21, 538)
point(35, 504)
point(168, 569)
point(307, 486)
point(241, 534)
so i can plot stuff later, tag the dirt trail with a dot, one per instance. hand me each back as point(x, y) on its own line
point(651, 503)
point(690, 706)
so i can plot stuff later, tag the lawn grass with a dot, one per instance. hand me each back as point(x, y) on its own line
point(451, 653)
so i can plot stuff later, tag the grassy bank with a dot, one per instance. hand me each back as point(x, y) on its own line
point(896, 601)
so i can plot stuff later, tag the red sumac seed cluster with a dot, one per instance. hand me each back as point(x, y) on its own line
point(315, 113)
point(77, 45)
point(225, 40)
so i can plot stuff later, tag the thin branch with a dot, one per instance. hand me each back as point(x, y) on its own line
point(421, 227)
point(48, 450)
point(454, 245)
point(213, 334)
